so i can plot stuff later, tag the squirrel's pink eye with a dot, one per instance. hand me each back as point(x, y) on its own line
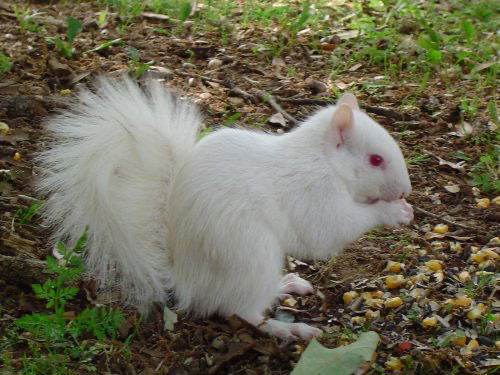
point(376, 160)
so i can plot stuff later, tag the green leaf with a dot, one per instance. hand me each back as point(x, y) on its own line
point(492, 109)
point(134, 53)
point(104, 45)
point(434, 56)
point(82, 241)
point(184, 11)
point(469, 31)
point(344, 360)
point(431, 32)
point(232, 119)
point(203, 133)
point(74, 27)
point(141, 69)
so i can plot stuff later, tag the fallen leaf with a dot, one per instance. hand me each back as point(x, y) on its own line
point(344, 360)
point(169, 319)
point(452, 188)
point(278, 119)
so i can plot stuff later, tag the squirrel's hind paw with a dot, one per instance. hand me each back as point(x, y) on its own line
point(290, 330)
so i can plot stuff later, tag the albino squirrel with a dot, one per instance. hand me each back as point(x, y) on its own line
point(212, 220)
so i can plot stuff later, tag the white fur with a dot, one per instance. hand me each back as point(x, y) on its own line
point(213, 220)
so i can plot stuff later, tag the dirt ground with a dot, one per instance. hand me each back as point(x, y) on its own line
point(229, 91)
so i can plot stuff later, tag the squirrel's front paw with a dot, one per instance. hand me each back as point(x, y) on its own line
point(396, 213)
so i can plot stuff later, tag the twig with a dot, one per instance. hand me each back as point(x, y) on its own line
point(427, 213)
point(262, 95)
point(368, 108)
point(267, 98)
point(205, 78)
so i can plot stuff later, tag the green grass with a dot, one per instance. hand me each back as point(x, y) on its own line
point(5, 63)
point(57, 341)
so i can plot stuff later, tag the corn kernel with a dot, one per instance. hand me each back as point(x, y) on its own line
point(459, 341)
point(394, 281)
point(349, 296)
point(476, 191)
point(473, 344)
point(474, 249)
point(440, 228)
point(394, 364)
point(290, 302)
point(416, 293)
point(429, 322)
point(476, 312)
point(393, 302)
point(439, 276)
point(434, 265)
point(485, 264)
point(456, 247)
point(462, 301)
point(358, 320)
point(375, 303)
point(483, 203)
point(377, 294)
point(496, 200)
point(4, 128)
point(366, 295)
point(464, 276)
point(490, 253)
point(370, 314)
point(393, 266)
point(478, 257)
point(65, 92)
point(419, 277)
point(17, 156)
point(437, 245)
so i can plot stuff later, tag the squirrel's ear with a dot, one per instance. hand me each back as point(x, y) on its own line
point(350, 100)
point(341, 124)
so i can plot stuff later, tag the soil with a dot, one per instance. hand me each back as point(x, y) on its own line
point(41, 81)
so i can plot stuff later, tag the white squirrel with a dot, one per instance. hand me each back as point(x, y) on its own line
point(212, 220)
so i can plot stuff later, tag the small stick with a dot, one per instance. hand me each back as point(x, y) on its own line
point(267, 98)
point(368, 108)
point(427, 213)
point(194, 75)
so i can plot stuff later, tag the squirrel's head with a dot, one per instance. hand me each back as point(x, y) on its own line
point(364, 154)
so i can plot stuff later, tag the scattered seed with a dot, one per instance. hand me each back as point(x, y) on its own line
point(393, 302)
point(476, 312)
point(462, 301)
point(394, 364)
point(464, 276)
point(393, 266)
point(483, 203)
point(394, 281)
point(4, 128)
point(459, 341)
point(349, 296)
point(434, 265)
point(429, 322)
point(440, 228)
point(17, 156)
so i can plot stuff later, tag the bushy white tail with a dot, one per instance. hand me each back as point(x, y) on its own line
point(110, 167)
